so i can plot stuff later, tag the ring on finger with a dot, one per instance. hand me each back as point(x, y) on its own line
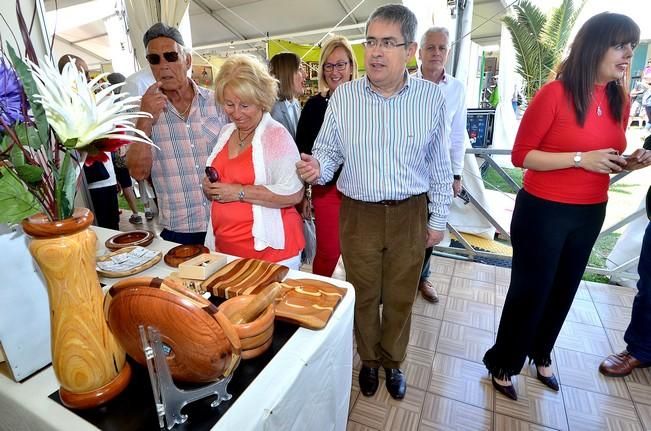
point(216, 197)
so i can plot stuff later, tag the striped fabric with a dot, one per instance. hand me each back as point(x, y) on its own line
point(179, 163)
point(391, 148)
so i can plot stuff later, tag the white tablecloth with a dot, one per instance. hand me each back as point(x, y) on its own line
point(306, 386)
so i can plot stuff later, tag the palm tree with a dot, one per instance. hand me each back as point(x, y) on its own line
point(539, 40)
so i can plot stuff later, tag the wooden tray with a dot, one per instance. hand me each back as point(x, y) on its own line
point(130, 239)
point(307, 302)
point(244, 277)
point(134, 270)
point(181, 253)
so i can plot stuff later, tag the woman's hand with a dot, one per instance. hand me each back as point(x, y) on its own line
point(639, 159)
point(605, 161)
point(221, 192)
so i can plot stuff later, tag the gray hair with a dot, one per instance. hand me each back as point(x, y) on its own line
point(163, 30)
point(433, 30)
point(399, 14)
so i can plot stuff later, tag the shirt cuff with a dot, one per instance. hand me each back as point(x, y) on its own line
point(436, 223)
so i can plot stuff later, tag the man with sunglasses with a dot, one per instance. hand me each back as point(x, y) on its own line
point(393, 151)
point(184, 126)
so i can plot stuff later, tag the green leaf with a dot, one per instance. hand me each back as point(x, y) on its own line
point(29, 85)
point(28, 135)
point(16, 202)
point(66, 187)
point(30, 174)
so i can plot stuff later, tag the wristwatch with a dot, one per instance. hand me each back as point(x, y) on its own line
point(577, 159)
point(240, 195)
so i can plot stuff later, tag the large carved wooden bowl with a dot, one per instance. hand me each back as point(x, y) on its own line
point(202, 343)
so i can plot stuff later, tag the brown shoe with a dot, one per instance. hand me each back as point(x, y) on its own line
point(620, 365)
point(427, 290)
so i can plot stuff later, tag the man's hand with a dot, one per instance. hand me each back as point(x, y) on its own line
point(456, 187)
point(640, 158)
point(308, 168)
point(153, 101)
point(433, 237)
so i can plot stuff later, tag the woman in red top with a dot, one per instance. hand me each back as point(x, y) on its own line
point(255, 186)
point(569, 141)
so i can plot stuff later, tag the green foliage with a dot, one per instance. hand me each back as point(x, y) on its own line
point(16, 202)
point(539, 40)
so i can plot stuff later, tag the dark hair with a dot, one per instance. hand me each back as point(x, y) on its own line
point(578, 71)
point(283, 66)
point(65, 59)
point(399, 14)
point(162, 30)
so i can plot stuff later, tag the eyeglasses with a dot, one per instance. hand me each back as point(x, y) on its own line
point(170, 57)
point(383, 43)
point(340, 66)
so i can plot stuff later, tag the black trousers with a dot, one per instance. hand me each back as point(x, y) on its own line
point(551, 246)
point(105, 206)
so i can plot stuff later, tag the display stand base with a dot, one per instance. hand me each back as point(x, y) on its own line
point(168, 397)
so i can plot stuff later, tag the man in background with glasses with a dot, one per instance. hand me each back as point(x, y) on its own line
point(394, 153)
point(433, 53)
point(184, 126)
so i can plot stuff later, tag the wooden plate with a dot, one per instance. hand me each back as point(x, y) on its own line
point(203, 344)
point(128, 239)
point(183, 252)
point(308, 302)
point(131, 271)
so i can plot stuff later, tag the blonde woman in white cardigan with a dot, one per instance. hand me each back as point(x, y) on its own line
point(254, 184)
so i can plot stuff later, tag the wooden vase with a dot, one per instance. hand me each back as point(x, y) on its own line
point(88, 362)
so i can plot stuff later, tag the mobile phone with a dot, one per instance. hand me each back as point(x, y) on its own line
point(212, 174)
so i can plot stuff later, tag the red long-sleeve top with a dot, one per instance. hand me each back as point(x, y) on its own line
point(549, 124)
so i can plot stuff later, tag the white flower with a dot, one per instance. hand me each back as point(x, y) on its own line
point(78, 115)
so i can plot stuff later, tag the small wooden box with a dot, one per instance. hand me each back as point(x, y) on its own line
point(202, 266)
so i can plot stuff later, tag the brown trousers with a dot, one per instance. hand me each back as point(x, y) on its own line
point(383, 249)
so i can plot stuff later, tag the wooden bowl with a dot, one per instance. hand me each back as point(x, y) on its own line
point(128, 239)
point(203, 344)
point(179, 254)
point(255, 336)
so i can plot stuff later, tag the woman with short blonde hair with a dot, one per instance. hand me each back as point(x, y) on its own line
point(251, 176)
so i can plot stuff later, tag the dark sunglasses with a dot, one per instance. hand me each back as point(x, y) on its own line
point(170, 57)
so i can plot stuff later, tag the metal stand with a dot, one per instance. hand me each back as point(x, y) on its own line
point(168, 397)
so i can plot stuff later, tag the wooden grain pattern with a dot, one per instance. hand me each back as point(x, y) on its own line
point(244, 277)
point(203, 346)
point(184, 252)
point(254, 334)
point(85, 355)
point(132, 271)
point(307, 302)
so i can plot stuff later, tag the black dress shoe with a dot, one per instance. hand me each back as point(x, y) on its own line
point(507, 391)
point(396, 383)
point(368, 380)
point(550, 381)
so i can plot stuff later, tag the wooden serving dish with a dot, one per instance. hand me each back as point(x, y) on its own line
point(255, 336)
point(183, 252)
point(130, 239)
point(307, 302)
point(202, 342)
point(135, 270)
point(244, 277)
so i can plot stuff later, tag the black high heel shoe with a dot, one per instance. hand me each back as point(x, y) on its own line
point(507, 391)
point(550, 381)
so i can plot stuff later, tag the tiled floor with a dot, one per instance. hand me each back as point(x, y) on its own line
point(449, 388)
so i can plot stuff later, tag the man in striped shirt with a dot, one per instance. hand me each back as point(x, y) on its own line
point(185, 126)
point(394, 152)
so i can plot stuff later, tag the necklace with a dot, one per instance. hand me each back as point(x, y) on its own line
point(242, 140)
point(599, 111)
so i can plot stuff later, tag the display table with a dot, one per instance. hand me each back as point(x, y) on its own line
point(305, 386)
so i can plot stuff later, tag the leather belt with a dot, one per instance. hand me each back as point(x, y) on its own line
point(393, 203)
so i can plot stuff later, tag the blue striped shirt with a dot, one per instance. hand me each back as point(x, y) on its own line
point(391, 148)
